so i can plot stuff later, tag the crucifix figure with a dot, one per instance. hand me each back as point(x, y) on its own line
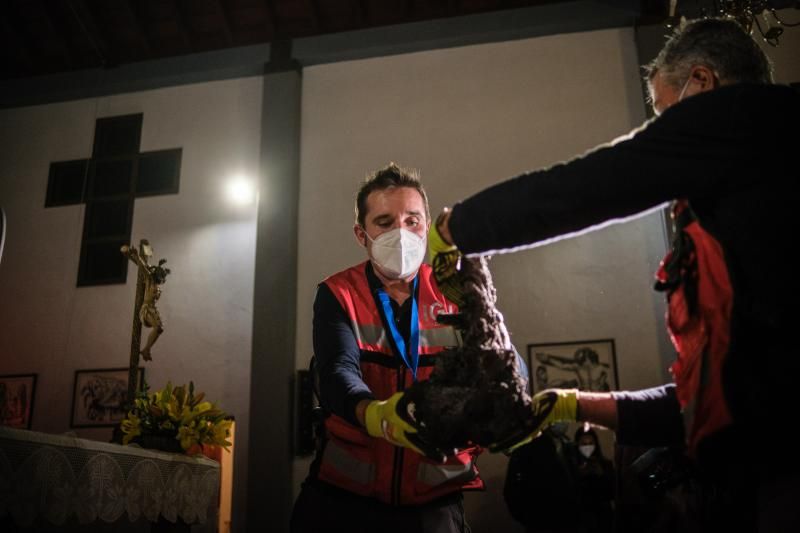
point(153, 277)
point(148, 291)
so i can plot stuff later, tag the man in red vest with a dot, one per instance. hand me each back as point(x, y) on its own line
point(375, 334)
point(723, 148)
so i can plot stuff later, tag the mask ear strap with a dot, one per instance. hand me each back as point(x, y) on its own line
point(685, 86)
point(363, 242)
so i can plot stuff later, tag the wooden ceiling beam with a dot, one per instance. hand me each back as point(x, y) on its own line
point(88, 22)
point(453, 7)
point(363, 12)
point(272, 18)
point(316, 16)
point(226, 22)
point(183, 28)
point(58, 32)
point(135, 11)
point(17, 42)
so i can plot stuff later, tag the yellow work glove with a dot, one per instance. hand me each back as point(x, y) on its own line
point(548, 407)
point(383, 420)
point(445, 260)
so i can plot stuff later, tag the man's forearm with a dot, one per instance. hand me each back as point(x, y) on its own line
point(599, 408)
point(341, 385)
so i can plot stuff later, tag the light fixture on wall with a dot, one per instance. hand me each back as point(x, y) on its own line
point(761, 15)
point(240, 191)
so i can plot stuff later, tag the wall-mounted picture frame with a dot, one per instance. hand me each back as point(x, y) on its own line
point(17, 392)
point(586, 365)
point(99, 396)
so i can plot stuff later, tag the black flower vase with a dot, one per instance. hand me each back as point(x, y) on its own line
point(164, 443)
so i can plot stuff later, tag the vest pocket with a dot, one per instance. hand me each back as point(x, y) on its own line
point(348, 460)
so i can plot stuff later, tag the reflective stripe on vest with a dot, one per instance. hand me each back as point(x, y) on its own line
point(374, 336)
point(347, 465)
point(435, 474)
point(363, 473)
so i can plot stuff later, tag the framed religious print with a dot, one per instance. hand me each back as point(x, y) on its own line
point(16, 400)
point(585, 365)
point(99, 397)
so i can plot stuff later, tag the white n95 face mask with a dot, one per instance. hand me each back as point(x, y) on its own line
point(586, 450)
point(398, 253)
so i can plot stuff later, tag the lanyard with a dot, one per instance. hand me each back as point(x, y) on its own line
point(409, 356)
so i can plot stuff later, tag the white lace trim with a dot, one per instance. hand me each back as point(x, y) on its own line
point(55, 477)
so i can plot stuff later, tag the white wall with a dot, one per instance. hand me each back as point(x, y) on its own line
point(50, 327)
point(468, 117)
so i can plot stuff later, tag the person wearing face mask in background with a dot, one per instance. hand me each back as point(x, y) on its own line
point(595, 481)
point(375, 333)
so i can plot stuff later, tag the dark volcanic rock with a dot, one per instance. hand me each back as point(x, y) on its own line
point(476, 394)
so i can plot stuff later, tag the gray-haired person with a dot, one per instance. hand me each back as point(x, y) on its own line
point(722, 149)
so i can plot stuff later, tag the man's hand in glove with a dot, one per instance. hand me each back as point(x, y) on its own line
point(382, 419)
point(445, 260)
point(548, 406)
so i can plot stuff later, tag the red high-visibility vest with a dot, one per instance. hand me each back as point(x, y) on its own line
point(370, 466)
point(700, 301)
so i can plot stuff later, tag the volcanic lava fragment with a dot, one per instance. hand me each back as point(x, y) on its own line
point(476, 394)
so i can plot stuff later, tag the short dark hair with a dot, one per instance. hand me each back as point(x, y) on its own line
point(719, 44)
point(387, 178)
point(586, 429)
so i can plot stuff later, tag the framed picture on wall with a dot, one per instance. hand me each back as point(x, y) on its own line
point(585, 365)
point(16, 400)
point(99, 396)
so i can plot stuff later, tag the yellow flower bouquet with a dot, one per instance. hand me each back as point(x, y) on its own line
point(176, 417)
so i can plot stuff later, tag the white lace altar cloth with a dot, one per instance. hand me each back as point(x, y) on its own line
point(55, 477)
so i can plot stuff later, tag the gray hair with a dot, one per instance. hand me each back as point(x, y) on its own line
point(718, 44)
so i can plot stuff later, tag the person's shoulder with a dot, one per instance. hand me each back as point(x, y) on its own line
point(346, 274)
point(742, 96)
point(769, 110)
point(762, 90)
point(739, 107)
point(782, 101)
point(344, 285)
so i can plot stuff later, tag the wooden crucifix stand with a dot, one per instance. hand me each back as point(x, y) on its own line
point(148, 280)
